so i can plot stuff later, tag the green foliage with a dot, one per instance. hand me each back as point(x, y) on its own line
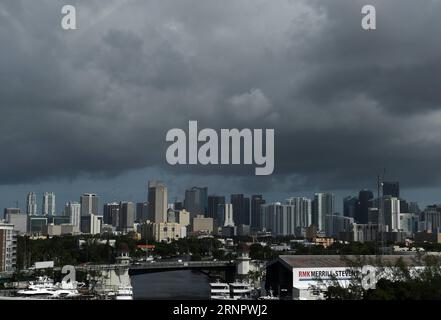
point(406, 283)
point(259, 252)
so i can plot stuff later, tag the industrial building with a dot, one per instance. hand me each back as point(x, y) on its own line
point(305, 277)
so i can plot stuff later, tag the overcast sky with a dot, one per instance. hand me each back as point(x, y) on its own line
point(88, 110)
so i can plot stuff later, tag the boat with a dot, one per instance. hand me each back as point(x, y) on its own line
point(44, 287)
point(220, 291)
point(124, 293)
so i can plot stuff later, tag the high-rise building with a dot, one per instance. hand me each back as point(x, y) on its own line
point(31, 203)
point(18, 220)
point(8, 248)
point(91, 224)
point(7, 211)
point(111, 214)
point(350, 206)
point(214, 202)
point(335, 224)
point(286, 219)
point(227, 215)
point(48, 206)
point(430, 219)
point(127, 214)
point(241, 209)
point(322, 205)
point(391, 188)
point(90, 203)
point(142, 209)
point(157, 199)
point(256, 202)
point(302, 212)
point(365, 201)
point(178, 205)
point(72, 210)
point(391, 212)
point(196, 201)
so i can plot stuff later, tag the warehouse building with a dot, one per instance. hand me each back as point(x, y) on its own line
point(306, 277)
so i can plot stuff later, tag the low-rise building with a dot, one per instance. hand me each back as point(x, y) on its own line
point(162, 231)
point(202, 224)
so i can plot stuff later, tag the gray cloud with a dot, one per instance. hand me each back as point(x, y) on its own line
point(344, 102)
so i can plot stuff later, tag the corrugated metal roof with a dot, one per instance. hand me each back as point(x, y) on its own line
point(326, 261)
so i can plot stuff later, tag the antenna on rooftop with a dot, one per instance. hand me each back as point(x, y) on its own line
point(380, 226)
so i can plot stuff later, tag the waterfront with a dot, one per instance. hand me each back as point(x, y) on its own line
point(171, 285)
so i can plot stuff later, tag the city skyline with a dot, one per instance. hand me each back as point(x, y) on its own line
point(179, 195)
point(101, 109)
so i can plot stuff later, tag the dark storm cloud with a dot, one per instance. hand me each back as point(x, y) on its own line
point(344, 102)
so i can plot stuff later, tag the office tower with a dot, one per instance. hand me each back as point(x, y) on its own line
point(336, 224)
point(414, 208)
point(127, 216)
point(226, 212)
point(391, 212)
point(430, 219)
point(196, 201)
point(256, 202)
point(142, 209)
point(72, 210)
point(213, 206)
point(91, 224)
point(178, 205)
point(241, 209)
point(391, 188)
point(17, 219)
point(349, 206)
point(286, 219)
point(8, 248)
point(365, 198)
point(302, 212)
point(48, 206)
point(171, 216)
point(322, 205)
point(404, 205)
point(31, 203)
point(7, 211)
point(157, 201)
point(90, 203)
point(111, 213)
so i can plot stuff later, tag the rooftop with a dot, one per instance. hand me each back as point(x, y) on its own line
point(334, 261)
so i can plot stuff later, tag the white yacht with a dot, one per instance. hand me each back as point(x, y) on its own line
point(45, 288)
point(124, 293)
point(220, 291)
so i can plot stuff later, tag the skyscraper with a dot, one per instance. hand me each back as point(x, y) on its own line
point(322, 205)
point(142, 209)
point(302, 211)
point(157, 199)
point(256, 202)
point(89, 204)
point(391, 212)
point(196, 201)
point(241, 209)
point(227, 213)
point(391, 188)
point(350, 206)
point(48, 206)
point(127, 214)
point(365, 198)
point(111, 214)
point(213, 205)
point(73, 211)
point(31, 204)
